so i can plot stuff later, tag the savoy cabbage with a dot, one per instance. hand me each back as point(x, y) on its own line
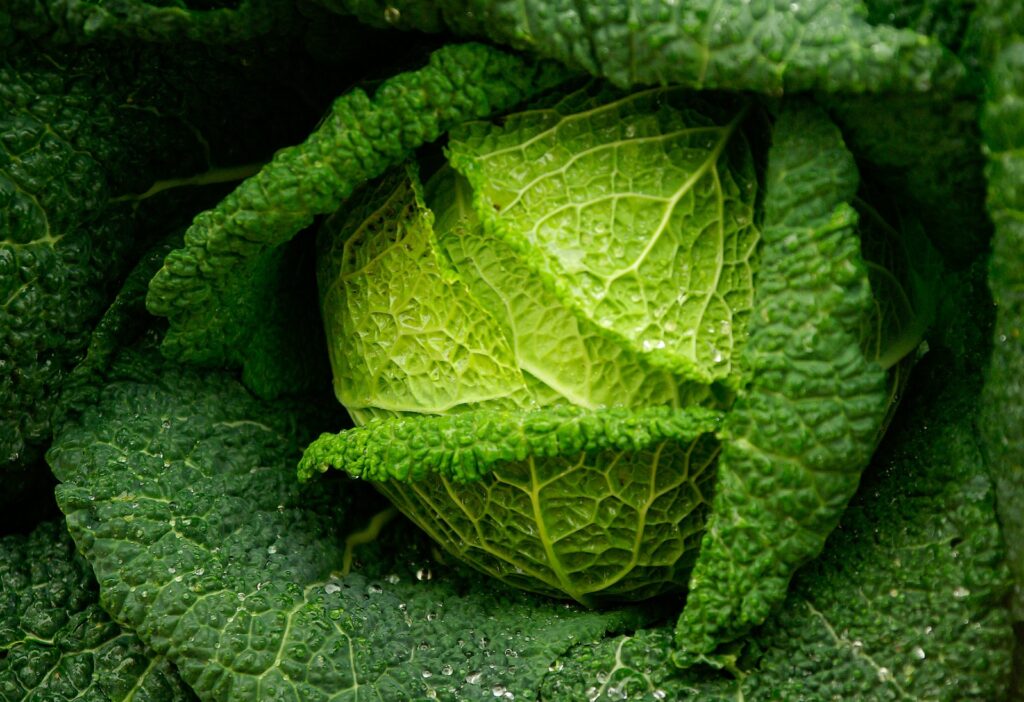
point(684, 335)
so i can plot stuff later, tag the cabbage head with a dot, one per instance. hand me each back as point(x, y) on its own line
point(553, 345)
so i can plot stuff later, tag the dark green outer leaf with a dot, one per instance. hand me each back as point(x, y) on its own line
point(82, 132)
point(57, 643)
point(999, 26)
point(69, 146)
point(804, 427)
point(764, 45)
point(1003, 420)
point(230, 249)
point(179, 488)
point(904, 604)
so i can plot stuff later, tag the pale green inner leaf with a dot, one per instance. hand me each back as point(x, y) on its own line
point(637, 209)
point(404, 333)
point(564, 358)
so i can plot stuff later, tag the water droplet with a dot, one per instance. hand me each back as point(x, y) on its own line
point(424, 574)
point(659, 694)
point(961, 592)
point(271, 549)
point(918, 653)
point(427, 674)
point(794, 7)
point(447, 670)
point(331, 588)
point(630, 131)
point(884, 675)
point(374, 589)
point(474, 678)
point(392, 14)
point(392, 579)
point(498, 690)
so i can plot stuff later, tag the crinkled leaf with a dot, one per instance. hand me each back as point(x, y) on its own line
point(805, 424)
point(57, 643)
point(467, 445)
point(405, 335)
point(764, 45)
point(81, 134)
point(636, 209)
point(180, 490)
point(563, 357)
point(81, 21)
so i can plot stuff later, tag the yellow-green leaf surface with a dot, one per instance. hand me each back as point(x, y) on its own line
point(563, 357)
point(637, 209)
point(405, 334)
point(905, 603)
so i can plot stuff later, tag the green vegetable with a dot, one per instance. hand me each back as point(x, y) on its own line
point(686, 335)
point(631, 220)
point(81, 21)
